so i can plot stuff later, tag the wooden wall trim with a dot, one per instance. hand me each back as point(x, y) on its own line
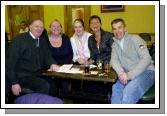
point(152, 34)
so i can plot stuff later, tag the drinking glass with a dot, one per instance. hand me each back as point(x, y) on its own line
point(86, 68)
point(99, 64)
point(107, 67)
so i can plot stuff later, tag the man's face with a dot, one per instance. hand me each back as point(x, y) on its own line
point(119, 30)
point(36, 28)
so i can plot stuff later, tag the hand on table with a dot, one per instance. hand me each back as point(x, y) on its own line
point(54, 67)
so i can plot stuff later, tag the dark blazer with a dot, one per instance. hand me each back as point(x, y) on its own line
point(24, 59)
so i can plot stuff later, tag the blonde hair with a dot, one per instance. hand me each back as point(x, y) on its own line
point(55, 20)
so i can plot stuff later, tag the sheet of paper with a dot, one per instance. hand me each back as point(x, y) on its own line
point(73, 71)
point(67, 68)
point(64, 67)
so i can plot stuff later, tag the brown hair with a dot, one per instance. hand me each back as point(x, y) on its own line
point(94, 17)
point(118, 20)
point(81, 21)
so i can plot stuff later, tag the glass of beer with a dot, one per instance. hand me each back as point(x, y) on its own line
point(107, 67)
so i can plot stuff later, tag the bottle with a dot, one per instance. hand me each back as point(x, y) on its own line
point(99, 63)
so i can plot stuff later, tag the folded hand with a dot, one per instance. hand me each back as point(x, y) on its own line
point(123, 77)
point(54, 67)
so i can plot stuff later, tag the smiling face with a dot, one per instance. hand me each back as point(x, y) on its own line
point(119, 30)
point(78, 27)
point(55, 28)
point(36, 28)
point(95, 25)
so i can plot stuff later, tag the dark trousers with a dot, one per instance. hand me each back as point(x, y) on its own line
point(53, 90)
point(36, 84)
point(28, 85)
point(97, 87)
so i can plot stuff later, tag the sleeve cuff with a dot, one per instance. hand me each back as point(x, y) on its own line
point(131, 75)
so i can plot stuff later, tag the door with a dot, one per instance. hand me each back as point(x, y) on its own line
point(19, 13)
point(76, 11)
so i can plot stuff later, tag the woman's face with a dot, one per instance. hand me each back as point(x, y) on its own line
point(78, 27)
point(95, 25)
point(55, 28)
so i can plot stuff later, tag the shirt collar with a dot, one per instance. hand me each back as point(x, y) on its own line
point(32, 35)
point(121, 41)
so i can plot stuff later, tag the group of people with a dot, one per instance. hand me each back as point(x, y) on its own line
point(32, 52)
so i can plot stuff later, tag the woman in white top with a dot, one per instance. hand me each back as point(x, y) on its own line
point(79, 42)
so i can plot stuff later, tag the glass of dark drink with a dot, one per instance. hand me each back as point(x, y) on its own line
point(87, 69)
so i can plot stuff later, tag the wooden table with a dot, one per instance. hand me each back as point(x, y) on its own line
point(102, 76)
point(106, 78)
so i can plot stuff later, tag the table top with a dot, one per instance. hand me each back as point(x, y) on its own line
point(101, 76)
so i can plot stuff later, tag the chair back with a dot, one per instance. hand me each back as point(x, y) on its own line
point(145, 36)
point(152, 52)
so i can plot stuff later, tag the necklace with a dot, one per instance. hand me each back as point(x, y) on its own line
point(56, 42)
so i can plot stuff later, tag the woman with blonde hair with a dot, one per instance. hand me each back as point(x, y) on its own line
point(61, 49)
point(60, 45)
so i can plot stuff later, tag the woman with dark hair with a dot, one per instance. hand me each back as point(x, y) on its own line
point(100, 51)
point(100, 42)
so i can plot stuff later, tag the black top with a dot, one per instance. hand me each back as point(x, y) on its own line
point(105, 47)
point(64, 53)
point(25, 59)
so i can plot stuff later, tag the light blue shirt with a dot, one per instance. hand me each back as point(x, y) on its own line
point(121, 42)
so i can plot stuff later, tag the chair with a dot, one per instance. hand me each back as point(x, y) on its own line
point(149, 96)
point(152, 52)
point(145, 36)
